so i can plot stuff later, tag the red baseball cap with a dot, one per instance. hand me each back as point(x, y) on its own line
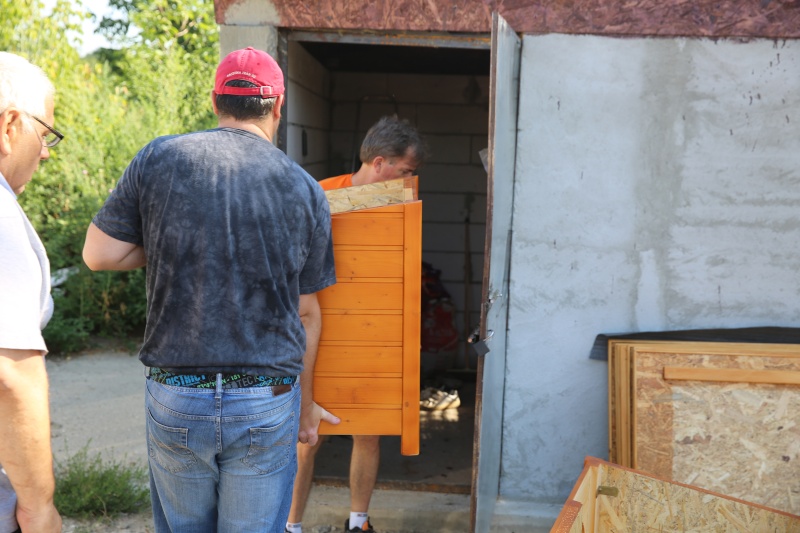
point(251, 65)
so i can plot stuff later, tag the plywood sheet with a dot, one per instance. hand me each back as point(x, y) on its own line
point(616, 499)
point(646, 503)
point(372, 195)
point(736, 438)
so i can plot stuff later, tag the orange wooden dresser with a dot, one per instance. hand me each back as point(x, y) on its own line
point(368, 364)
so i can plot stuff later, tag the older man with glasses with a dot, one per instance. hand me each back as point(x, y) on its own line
point(27, 483)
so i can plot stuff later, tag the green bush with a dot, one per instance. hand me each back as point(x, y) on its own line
point(88, 487)
point(108, 105)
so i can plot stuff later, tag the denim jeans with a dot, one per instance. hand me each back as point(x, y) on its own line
point(221, 460)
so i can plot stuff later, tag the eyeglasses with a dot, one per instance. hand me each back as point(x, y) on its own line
point(53, 137)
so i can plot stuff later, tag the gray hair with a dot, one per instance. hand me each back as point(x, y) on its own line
point(393, 137)
point(23, 85)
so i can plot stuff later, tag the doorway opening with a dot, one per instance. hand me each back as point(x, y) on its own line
point(339, 85)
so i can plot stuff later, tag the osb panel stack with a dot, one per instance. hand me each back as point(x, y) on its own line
point(609, 498)
point(367, 370)
point(717, 415)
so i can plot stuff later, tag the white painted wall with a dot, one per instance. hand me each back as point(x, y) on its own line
point(308, 111)
point(658, 188)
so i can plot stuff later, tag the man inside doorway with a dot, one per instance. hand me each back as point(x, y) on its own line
point(391, 149)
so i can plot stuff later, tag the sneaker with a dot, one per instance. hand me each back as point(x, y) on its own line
point(427, 392)
point(366, 527)
point(448, 401)
point(432, 400)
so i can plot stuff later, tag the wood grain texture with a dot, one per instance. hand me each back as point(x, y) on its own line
point(358, 392)
point(412, 298)
point(650, 503)
point(372, 195)
point(348, 360)
point(364, 422)
point(353, 263)
point(698, 18)
point(726, 424)
point(363, 296)
point(732, 375)
point(367, 369)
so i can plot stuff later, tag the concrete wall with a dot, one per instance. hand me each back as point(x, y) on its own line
point(451, 112)
point(658, 188)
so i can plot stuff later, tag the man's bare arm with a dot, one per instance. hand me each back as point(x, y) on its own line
point(310, 413)
point(25, 451)
point(103, 252)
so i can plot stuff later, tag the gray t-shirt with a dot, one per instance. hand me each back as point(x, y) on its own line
point(234, 232)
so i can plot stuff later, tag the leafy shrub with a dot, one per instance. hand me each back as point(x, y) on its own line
point(108, 105)
point(90, 487)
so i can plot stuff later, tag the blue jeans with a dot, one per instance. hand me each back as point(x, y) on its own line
point(221, 460)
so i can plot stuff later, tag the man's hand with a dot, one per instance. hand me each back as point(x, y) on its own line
point(46, 520)
point(310, 417)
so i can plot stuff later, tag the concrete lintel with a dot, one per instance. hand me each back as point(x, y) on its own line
point(234, 37)
point(250, 13)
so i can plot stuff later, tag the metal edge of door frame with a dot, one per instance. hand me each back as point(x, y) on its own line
point(485, 305)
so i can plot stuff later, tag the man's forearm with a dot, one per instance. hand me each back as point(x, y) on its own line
point(313, 326)
point(25, 450)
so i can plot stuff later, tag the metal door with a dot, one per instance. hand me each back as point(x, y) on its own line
point(491, 346)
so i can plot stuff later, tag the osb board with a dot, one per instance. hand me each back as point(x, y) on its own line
point(703, 18)
point(739, 439)
point(372, 195)
point(367, 370)
point(647, 503)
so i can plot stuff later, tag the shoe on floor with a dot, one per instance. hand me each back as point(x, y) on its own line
point(426, 393)
point(433, 398)
point(446, 401)
point(359, 529)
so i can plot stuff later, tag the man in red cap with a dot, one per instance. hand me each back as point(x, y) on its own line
point(236, 238)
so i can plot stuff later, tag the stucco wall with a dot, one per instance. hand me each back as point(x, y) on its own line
point(658, 188)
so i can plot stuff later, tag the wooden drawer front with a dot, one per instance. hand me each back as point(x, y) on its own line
point(377, 230)
point(365, 422)
point(362, 296)
point(350, 392)
point(358, 360)
point(362, 328)
point(354, 263)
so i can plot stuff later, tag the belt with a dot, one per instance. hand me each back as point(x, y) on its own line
point(280, 385)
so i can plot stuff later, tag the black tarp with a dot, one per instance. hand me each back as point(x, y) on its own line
point(767, 335)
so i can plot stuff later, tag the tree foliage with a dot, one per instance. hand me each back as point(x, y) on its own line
point(108, 105)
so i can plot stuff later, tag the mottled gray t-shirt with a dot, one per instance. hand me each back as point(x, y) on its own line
point(234, 232)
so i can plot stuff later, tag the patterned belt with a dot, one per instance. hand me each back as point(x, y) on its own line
point(280, 385)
